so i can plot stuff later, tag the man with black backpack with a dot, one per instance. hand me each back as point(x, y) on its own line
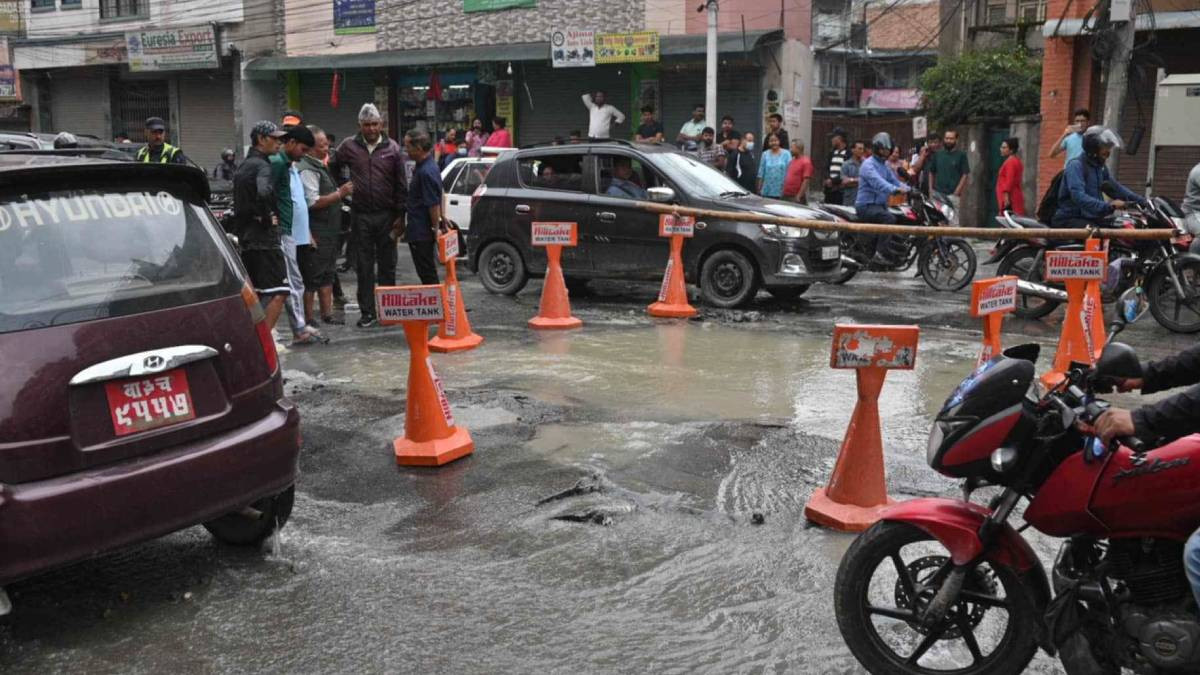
point(1080, 197)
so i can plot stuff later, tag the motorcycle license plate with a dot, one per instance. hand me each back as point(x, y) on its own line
point(145, 403)
point(830, 252)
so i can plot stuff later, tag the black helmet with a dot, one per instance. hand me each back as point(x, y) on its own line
point(227, 153)
point(65, 139)
point(882, 142)
point(1097, 137)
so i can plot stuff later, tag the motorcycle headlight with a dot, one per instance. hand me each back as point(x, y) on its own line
point(784, 231)
point(947, 211)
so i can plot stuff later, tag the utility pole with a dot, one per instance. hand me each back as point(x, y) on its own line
point(1120, 14)
point(710, 72)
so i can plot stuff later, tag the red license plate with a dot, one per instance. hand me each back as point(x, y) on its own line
point(150, 402)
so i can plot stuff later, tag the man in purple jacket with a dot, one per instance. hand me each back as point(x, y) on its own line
point(376, 166)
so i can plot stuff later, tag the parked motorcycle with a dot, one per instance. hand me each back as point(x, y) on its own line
point(945, 585)
point(946, 263)
point(1170, 275)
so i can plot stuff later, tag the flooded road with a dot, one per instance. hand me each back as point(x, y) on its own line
point(634, 504)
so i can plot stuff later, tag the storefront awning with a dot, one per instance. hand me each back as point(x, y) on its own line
point(669, 45)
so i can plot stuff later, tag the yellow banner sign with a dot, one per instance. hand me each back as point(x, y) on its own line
point(627, 47)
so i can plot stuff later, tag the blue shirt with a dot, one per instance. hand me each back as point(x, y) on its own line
point(1073, 144)
point(424, 192)
point(876, 183)
point(850, 169)
point(300, 231)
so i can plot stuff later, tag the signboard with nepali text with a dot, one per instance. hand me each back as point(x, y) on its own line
point(874, 346)
point(553, 234)
point(991, 296)
point(496, 5)
point(627, 47)
point(172, 49)
point(408, 303)
point(1076, 265)
point(351, 17)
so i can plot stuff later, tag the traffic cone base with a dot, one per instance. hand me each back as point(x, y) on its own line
point(445, 345)
point(672, 295)
point(822, 510)
point(436, 452)
point(550, 323)
point(667, 310)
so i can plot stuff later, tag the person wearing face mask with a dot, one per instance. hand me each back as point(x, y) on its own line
point(476, 139)
point(742, 164)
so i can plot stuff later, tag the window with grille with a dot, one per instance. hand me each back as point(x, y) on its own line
point(71, 4)
point(122, 9)
point(997, 13)
point(1032, 11)
point(136, 100)
point(41, 4)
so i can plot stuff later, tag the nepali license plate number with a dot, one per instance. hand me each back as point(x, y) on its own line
point(145, 403)
point(830, 252)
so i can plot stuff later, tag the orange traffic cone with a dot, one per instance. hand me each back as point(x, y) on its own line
point(430, 436)
point(672, 296)
point(1083, 335)
point(454, 332)
point(857, 490)
point(555, 309)
point(991, 299)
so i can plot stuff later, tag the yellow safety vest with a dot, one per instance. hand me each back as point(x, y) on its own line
point(168, 154)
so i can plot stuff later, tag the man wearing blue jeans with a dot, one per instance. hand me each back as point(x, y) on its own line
point(1163, 422)
point(877, 183)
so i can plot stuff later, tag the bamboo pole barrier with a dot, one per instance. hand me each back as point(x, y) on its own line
point(911, 230)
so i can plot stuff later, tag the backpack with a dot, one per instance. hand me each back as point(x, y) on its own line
point(1049, 203)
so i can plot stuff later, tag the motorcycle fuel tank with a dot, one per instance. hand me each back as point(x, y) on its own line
point(1123, 495)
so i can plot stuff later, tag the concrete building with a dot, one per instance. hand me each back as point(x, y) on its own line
point(101, 67)
point(495, 58)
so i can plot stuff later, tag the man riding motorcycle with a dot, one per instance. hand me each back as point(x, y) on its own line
point(876, 183)
point(1080, 200)
point(1162, 422)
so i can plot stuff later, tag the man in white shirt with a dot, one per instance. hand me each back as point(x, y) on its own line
point(601, 115)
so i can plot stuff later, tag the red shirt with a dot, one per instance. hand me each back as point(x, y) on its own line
point(799, 170)
point(1009, 180)
point(500, 139)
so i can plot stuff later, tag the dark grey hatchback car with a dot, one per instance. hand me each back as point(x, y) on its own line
point(729, 260)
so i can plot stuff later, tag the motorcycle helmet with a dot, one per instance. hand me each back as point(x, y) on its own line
point(227, 154)
point(882, 143)
point(64, 140)
point(1097, 137)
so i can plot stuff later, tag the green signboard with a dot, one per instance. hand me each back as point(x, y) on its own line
point(493, 5)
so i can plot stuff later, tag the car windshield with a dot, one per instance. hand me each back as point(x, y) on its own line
point(78, 255)
point(697, 178)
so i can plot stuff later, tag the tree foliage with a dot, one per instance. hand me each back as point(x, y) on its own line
point(985, 83)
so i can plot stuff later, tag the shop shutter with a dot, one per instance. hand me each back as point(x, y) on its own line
point(358, 87)
point(78, 102)
point(739, 93)
point(206, 117)
point(556, 109)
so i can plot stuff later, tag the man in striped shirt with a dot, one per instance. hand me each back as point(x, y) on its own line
point(837, 157)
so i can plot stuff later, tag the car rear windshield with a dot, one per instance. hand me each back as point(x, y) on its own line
point(79, 255)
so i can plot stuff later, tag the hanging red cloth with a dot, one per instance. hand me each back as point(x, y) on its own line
point(335, 94)
point(434, 92)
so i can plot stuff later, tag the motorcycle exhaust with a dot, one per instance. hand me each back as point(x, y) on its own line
point(847, 261)
point(1040, 291)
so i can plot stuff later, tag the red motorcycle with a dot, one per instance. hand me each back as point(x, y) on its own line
point(943, 585)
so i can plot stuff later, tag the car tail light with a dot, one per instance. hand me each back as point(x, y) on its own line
point(479, 192)
point(265, 339)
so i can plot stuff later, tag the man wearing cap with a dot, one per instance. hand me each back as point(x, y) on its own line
point(376, 166)
point(255, 223)
point(157, 150)
point(292, 209)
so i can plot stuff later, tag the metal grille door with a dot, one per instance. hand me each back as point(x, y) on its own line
point(134, 101)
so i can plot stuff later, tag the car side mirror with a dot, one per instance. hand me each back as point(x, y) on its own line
point(662, 195)
point(1119, 360)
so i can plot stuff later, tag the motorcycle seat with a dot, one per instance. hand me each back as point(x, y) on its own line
point(1029, 223)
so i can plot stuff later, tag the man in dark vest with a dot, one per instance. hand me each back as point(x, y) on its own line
point(157, 150)
point(319, 258)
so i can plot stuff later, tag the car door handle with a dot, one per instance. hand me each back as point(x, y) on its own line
point(607, 216)
point(522, 208)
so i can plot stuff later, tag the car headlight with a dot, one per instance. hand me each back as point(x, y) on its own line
point(784, 231)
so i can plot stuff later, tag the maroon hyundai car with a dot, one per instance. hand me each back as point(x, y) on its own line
point(141, 392)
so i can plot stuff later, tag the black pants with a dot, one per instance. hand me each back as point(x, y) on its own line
point(877, 213)
point(375, 248)
point(424, 260)
point(350, 239)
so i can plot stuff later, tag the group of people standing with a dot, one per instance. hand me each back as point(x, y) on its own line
point(289, 194)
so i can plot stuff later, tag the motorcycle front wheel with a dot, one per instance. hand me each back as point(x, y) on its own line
point(1175, 313)
point(948, 265)
point(1023, 263)
point(886, 580)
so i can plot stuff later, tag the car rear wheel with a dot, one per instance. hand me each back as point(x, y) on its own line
point(501, 269)
point(256, 522)
point(728, 279)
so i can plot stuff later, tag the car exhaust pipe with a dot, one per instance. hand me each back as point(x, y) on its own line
point(1041, 291)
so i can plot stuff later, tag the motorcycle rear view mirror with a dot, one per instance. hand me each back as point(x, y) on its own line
point(1026, 352)
point(1131, 306)
point(1119, 360)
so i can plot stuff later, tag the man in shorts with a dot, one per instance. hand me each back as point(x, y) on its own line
point(319, 258)
point(255, 222)
point(292, 209)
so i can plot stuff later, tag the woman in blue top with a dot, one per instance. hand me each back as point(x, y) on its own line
point(772, 168)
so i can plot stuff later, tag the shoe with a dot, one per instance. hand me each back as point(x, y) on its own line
point(366, 322)
point(309, 337)
point(880, 261)
point(343, 268)
point(333, 321)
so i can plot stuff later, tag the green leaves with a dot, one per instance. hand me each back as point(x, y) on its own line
point(986, 83)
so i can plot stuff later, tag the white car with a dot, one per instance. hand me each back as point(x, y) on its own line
point(459, 180)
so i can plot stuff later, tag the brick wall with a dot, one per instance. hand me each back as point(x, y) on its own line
point(403, 24)
point(1067, 78)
